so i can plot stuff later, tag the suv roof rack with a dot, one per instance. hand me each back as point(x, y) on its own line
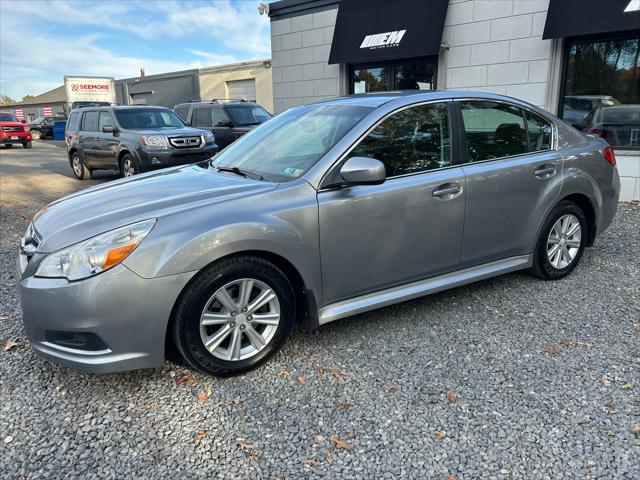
point(231, 100)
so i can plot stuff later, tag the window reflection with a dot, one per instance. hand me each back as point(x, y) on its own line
point(602, 89)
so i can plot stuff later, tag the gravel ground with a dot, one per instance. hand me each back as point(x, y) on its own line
point(508, 378)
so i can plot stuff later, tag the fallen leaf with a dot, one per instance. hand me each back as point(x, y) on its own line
point(336, 374)
point(627, 386)
point(11, 344)
point(301, 380)
point(237, 400)
point(253, 456)
point(202, 395)
point(608, 404)
point(321, 370)
point(351, 435)
point(638, 327)
point(606, 380)
point(150, 405)
point(439, 434)
point(451, 396)
point(566, 343)
point(284, 373)
point(136, 386)
point(390, 387)
point(590, 463)
point(635, 429)
point(243, 444)
point(200, 436)
point(343, 405)
point(327, 459)
point(3, 318)
point(318, 439)
point(450, 477)
point(311, 462)
point(340, 444)
point(552, 349)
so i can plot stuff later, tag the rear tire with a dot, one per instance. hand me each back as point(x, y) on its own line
point(561, 243)
point(27, 145)
point(241, 319)
point(36, 135)
point(80, 170)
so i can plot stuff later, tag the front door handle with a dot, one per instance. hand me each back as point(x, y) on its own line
point(545, 171)
point(446, 190)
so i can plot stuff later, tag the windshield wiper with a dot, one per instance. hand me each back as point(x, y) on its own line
point(242, 173)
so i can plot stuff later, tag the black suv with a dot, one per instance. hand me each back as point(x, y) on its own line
point(132, 140)
point(227, 119)
point(42, 127)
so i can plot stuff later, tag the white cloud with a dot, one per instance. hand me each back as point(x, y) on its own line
point(33, 59)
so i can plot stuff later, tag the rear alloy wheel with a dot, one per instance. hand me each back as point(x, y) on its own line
point(80, 171)
point(35, 134)
point(234, 316)
point(129, 166)
point(561, 243)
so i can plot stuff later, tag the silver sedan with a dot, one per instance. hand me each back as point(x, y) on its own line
point(323, 212)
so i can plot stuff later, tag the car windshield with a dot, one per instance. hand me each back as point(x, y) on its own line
point(7, 117)
point(288, 145)
point(38, 120)
point(248, 115)
point(148, 119)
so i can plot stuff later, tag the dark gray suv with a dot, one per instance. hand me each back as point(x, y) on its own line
point(132, 139)
point(228, 120)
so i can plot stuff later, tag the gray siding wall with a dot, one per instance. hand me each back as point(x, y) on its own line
point(300, 48)
point(163, 91)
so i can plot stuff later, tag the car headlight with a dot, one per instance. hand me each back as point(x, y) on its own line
point(159, 141)
point(96, 254)
point(209, 137)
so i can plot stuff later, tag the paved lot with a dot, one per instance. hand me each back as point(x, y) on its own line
point(509, 378)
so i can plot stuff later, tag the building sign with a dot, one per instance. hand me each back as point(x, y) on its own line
point(90, 89)
point(383, 40)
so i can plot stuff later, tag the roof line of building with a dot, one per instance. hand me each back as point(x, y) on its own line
point(285, 8)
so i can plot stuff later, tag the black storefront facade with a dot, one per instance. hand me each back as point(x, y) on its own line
point(575, 58)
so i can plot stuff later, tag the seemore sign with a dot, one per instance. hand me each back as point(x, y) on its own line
point(90, 89)
point(383, 40)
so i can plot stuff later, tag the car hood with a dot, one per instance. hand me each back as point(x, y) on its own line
point(169, 132)
point(11, 124)
point(152, 195)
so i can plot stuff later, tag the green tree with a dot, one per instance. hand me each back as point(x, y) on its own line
point(27, 97)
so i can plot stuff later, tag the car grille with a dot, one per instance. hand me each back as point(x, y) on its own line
point(185, 142)
point(28, 246)
point(12, 129)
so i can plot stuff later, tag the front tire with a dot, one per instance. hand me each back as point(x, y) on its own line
point(234, 316)
point(561, 243)
point(129, 166)
point(80, 170)
point(27, 145)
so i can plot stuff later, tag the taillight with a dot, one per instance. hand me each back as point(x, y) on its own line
point(609, 156)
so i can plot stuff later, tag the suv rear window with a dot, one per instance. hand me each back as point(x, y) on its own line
point(182, 111)
point(72, 124)
point(248, 115)
point(90, 121)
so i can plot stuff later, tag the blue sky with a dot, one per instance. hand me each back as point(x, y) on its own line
point(43, 40)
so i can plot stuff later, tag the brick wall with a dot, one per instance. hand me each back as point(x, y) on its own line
point(300, 53)
point(496, 46)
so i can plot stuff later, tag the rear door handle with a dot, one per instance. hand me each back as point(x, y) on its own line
point(545, 171)
point(446, 189)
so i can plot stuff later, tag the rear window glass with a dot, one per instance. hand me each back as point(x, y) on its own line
point(201, 117)
point(248, 115)
point(90, 121)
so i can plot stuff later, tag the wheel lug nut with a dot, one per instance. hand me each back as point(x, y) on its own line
point(233, 314)
point(233, 325)
point(241, 327)
point(244, 309)
point(249, 318)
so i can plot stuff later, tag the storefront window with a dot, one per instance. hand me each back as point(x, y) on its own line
point(602, 89)
point(402, 75)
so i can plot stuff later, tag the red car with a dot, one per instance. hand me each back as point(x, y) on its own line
point(13, 131)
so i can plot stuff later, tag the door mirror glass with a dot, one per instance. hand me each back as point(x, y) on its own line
point(363, 171)
point(109, 129)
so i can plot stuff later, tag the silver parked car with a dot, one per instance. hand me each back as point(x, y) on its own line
point(323, 212)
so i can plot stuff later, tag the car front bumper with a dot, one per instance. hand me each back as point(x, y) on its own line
point(127, 313)
point(153, 159)
point(14, 138)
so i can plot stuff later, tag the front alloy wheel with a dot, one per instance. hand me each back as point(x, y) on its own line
point(564, 241)
point(233, 316)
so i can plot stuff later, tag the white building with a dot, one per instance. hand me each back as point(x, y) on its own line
point(575, 58)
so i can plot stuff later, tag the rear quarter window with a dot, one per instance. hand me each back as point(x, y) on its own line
point(90, 121)
point(72, 123)
point(182, 111)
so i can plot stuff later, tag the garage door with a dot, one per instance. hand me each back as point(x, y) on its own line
point(242, 89)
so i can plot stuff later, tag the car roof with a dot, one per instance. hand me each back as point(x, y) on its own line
point(119, 108)
point(408, 97)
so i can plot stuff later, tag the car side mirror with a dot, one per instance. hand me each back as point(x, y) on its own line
point(363, 171)
point(109, 129)
point(23, 121)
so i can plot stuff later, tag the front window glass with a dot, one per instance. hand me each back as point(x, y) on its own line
point(493, 130)
point(287, 146)
point(246, 115)
point(90, 121)
point(602, 89)
point(413, 140)
point(220, 118)
point(7, 117)
point(202, 117)
point(105, 119)
point(141, 119)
